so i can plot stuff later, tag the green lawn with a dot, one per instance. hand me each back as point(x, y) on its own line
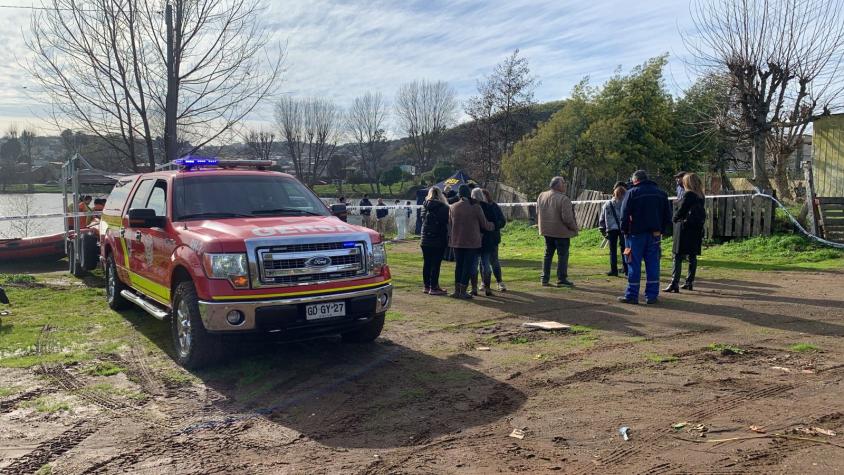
point(522, 250)
point(37, 188)
point(83, 327)
point(399, 190)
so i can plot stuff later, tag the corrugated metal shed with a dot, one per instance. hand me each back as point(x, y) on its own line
point(828, 156)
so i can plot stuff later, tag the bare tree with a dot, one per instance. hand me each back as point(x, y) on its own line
point(10, 152)
point(21, 205)
point(260, 143)
point(124, 72)
point(310, 129)
point(366, 122)
point(500, 112)
point(784, 60)
point(425, 110)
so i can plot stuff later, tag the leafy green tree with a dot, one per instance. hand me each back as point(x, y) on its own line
point(391, 177)
point(441, 171)
point(10, 152)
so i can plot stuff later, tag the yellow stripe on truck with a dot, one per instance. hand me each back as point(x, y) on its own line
point(150, 288)
point(296, 294)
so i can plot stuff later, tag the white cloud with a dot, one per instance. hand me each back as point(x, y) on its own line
point(342, 48)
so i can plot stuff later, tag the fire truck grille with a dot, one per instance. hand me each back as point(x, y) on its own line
point(304, 263)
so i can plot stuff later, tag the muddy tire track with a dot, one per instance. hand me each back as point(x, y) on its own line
point(52, 449)
point(10, 404)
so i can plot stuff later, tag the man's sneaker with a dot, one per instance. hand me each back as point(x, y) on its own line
point(502, 287)
point(565, 282)
point(437, 292)
point(547, 284)
point(628, 301)
point(612, 274)
point(652, 301)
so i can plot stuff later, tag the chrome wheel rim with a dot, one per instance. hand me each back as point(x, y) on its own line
point(183, 330)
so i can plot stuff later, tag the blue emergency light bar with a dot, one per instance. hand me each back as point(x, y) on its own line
point(193, 161)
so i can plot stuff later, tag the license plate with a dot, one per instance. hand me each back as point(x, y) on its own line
point(318, 311)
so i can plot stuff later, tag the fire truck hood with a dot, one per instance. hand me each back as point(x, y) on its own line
point(241, 229)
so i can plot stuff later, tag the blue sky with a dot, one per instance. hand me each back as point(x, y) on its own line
point(343, 48)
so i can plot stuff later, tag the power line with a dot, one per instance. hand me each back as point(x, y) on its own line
point(33, 7)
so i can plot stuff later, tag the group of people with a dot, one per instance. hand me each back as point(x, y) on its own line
point(87, 206)
point(633, 221)
point(402, 214)
point(467, 224)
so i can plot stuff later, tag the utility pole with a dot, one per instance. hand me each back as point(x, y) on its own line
point(171, 142)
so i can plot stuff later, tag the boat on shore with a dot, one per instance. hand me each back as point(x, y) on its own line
point(40, 248)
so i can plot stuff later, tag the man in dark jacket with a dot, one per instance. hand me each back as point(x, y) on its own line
point(381, 213)
point(366, 211)
point(645, 216)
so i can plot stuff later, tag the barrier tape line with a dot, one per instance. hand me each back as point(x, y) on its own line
point(413, 207)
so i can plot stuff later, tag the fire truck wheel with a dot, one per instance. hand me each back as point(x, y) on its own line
point(114, 286)
point(194, 347)
point(367, 333)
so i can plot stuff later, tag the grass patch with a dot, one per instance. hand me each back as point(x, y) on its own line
point(46, 405)
point(659, 359)
point(45, 470)
point(8, 391)
point(580, 330)
point(17, 279)
point(519, 340)
point(726, 349)
point(803, 348)
point(393, 316)
point(111, 390)
point(104, 368)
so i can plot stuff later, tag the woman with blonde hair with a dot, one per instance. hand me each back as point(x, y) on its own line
point(688, 232)
point(434, 241)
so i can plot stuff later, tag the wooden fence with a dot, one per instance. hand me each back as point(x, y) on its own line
point(739, 216)
point(587, 214)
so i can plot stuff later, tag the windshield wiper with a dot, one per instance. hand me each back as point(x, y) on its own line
point(214, 214)
point(284, 210)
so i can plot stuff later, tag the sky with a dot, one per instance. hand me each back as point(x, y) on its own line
point(343, 48)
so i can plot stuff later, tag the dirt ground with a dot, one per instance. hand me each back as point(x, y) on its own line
point(448, 382)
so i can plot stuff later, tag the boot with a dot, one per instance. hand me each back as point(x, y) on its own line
point(457, 291)
point(690, 279)
point(474, 281)
point(487, 285)
point(673, 288)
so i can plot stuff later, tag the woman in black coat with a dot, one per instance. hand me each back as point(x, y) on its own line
point(688, 232)
point(434, 239)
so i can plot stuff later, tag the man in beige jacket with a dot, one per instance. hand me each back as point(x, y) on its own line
point(557, 224)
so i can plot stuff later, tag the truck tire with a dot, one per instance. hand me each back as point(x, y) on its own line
point(73, 264)
point(366, 333)
point(194, 347)
point(114, 286)
point(90, 251)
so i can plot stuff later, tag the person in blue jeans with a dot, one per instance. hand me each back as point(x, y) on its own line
point(646, 215)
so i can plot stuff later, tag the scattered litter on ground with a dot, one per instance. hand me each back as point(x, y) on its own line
point(699, 428)
point(5, 313)
point(547, 326)
point(807, 371)
point(780, 368)
point(483, 348)
point(757, 429)
point(679, 425)
point(538, 356)
point(625, 433)
point(517, 434)
point(814, 431)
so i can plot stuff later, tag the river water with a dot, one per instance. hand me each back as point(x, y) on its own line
point(29, 204)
